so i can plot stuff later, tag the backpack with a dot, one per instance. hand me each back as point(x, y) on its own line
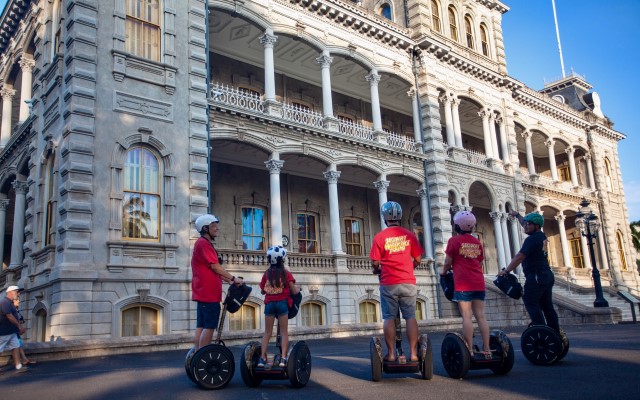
point(236, 296)
point(295, 307)
point(446, 281)
point(509, 285)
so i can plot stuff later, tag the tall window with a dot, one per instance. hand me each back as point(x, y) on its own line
point(385, 11)
point(253, 228)
point(143, 28)
point(623, 258)
point(416, 226)
point(307, 233)
point(576, 253)
point(453, 24)
point(312, 314)
point(49, 217)
point(607, 172)
point(41, 326)
point(245, 318)
point(420, 308)
point(435, 16)
point(484, 39)
point(139, 320)
point(564, 174)
point(141, 208)
point(56, 26)
point(353, 236)
point(368, 312)
point(468, 28)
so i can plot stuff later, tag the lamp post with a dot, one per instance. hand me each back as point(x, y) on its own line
point(588, 225)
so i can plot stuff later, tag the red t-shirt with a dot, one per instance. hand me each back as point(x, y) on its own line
point(395, 248)
point(467, 255)
point(276, 293)
point(206, 285)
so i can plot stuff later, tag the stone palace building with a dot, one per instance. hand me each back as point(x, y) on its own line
point(292, 121)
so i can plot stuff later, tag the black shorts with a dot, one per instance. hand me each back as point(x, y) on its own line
point(208, 315)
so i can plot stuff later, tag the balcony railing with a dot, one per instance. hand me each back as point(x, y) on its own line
point(476, 158)
point(225, 94)
point(350, 128)
point(301, 115)
point(401, 141)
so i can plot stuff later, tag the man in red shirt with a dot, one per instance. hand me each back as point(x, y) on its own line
point(207, 277)
point(394, 255)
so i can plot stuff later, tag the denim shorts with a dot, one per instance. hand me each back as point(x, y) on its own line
point(276, 308)
point(9, 342)
point(208, 315)
point(401, 296)
point(469, 296)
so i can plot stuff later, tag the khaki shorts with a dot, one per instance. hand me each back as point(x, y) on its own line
point(398, 297)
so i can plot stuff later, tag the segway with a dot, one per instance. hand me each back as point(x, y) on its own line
point(457, 359)
point(424, 365)
point(541, 345)
point(212, 366)
point(297, 369)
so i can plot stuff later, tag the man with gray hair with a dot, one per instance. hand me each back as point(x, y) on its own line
point(10, 327)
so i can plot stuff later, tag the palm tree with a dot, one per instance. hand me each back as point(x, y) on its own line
point(635, 238)
point(135, 218)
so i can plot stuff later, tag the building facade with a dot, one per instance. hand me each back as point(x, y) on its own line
point(292, 121)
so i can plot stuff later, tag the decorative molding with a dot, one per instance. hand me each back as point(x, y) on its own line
point(142, 106)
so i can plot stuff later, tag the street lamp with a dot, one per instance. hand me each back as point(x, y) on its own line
point(588, 224)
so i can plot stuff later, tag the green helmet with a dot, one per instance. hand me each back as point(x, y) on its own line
point(535, 218)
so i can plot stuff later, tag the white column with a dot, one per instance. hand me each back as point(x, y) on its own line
point(552, 159)
point(495, 216)
point(604, 260)
point(505, 238)
point(268, 40)
point(327, 102)
point(4, 203)
point(7, 101)
point(515, 238)
point(587, 160)
point(25, 90)
point(382, 185)
point(417, 135)
point(17, 240)
point(494, 138)
point(527, 143)
point(274, 165)
point(585, 252)
point(426, 222)
point(566, 257)
point(457, 128)
point(334, 209)
point(488, 146)
point(506, 157)
point(572, 166)
point(373, 78)
point(448, 120)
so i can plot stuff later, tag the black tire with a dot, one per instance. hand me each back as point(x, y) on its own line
point(455, 356)
point(541, 345)
point(501, 345)
point(213, 366)
point(299, 365)
point(565, 344)
point(425, 353)
point(250, 356)
point(376, 360)
point(187, 364)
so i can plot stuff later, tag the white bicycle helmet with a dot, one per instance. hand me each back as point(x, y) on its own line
point(205, 220)
point(465, 220)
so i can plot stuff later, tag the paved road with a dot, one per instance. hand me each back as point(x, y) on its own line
point(603, 363)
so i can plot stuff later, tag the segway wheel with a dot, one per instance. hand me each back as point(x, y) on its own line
point(299, 365)
point(250, 357)
point(376, 359)
point(455, 356)
point(187, 364)
point(565, 344)
point(541, 345)
point(501, 345)
point(213, 366)
point(425, 352)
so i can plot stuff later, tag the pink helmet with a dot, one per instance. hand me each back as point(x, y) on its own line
point(465, 220)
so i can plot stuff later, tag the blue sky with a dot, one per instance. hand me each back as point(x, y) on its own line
point(600, 42)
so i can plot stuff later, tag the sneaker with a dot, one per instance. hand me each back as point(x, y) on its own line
point(283, 362)
point(261, 362)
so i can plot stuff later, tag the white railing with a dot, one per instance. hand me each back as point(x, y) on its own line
point(302, 115)
point(476, 158)
point(225, 94)
point(356, 130)
point(401, 141)
point(525, 174)
point(545, 180)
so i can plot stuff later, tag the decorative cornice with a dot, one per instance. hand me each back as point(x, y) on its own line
point(13, 14)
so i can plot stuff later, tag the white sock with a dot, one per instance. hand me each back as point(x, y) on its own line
point(19, 366)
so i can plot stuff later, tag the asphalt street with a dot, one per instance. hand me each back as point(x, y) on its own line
point(602, 363)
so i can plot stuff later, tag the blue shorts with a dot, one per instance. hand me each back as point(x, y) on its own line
point(276, 308)
point(208, 315)
point(402, 296)
point(469, 296)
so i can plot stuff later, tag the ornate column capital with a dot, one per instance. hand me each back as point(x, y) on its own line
point(4, 203)
point(495, 215)
point(373, 78)
point(560, 217)
point(381, 185)
point(526, 134)
point(21, 187)
point(455, 101)
point(422, 193)
point(27, 64)
point(412, 93)
point(569, 150)
point(331, 176)
point(550, 142)
point(274, 166)
point(6, 93)
point(324, 60)
point(484, 114)
point(500, 120)
point(268, 40)
point(587, 156)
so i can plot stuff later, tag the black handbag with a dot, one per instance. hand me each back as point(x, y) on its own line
point(295, 307)
point(509, 284)
point(236, 296)
point(446, 282)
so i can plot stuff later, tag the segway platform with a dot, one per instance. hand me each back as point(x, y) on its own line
point(457, 359)
point(424, 365)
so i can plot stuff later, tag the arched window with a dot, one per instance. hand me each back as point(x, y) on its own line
point(368, 312)
point(385, 11)
point(468, 29)
point(40, 327)
point(453, 24)
point(435, 16)
point(245, 318)
point(307, 233)
point(608, 174)
point(140, 320)
point(253, 228)
point(353, 236)
point(143, 28)
point(420, 310)
point(623, 257)
point(50, 212)
point(312, 314)
point(141, 187)
point(484, 39)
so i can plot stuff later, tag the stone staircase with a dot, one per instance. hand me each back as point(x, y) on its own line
point(586, 296)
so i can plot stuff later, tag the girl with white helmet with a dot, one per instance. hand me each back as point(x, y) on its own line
point(464, 255)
